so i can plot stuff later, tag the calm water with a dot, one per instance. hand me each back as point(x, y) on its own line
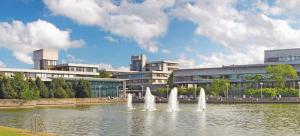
point(115, 120)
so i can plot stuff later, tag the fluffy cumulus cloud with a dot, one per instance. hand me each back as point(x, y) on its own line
point(22, 38)
point(244, 32)
point(142, 22)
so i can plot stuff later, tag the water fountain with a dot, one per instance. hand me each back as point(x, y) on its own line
point(149, 101)
point(201, 101)
point(129, 102)
point(173, 103)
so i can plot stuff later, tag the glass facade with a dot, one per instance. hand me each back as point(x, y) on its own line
point(106, 88)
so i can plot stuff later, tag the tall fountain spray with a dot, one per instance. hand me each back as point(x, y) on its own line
point(173, 103)
point(149, 101)
point(201, 101)
point(129, 102)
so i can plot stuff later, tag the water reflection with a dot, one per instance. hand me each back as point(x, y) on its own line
point(246, 120)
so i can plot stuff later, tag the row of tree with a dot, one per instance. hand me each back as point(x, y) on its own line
point(18, 87)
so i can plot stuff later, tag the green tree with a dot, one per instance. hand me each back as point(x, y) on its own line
point(6, 89)
point(21, 87)
point(57, 88)
point(44, 93)
point(280, 73)
point(33, 89)
point(83, 89)
point(104, 74)
point(170, 81)
point(219, 87)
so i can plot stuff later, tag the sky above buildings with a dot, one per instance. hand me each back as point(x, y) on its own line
point(195, 33)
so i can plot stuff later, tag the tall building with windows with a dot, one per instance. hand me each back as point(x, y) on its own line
point(144, 74)
point(45, 58)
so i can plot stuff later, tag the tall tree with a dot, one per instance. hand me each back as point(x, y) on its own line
point(44, 93)
point(219, 87)
point(34, 90)
point(170, 81)
point(6, 89)
point(21, 86)
point(83, 89)
point(280, 73)
point(57, 88)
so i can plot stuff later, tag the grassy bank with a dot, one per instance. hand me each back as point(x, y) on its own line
point(6, 131)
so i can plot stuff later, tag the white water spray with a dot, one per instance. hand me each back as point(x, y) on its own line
point(149, 101)
point(129, 102)
point(201, 101)
point(173, 103)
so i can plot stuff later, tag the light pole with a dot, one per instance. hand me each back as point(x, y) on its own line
point(167, 91)
point(299, 89)
point(227, 84)
point(261, 85)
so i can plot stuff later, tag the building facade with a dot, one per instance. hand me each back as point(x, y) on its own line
point(144, 74)
point(238, 74)
point(45, 67)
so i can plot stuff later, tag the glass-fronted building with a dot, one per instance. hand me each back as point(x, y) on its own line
point(105, 87)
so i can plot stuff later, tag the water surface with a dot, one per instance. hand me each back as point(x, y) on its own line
point(115, 119)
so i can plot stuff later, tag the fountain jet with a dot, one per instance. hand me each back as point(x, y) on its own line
point(129, 102)
point(149, 101)
point(201, 101)
point(173, 103)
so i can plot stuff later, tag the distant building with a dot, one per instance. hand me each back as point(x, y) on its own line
point(45, 58)
point(144, 74)
point(46, 68)
point(238, 73)
point(138, 63)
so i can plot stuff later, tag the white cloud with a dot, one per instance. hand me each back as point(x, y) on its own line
point(244, 33)
point(22, 38)
point(143, 22)
point(110, 67)
point(71, 59)
point(185, 62)
point(165, 51)
point(111, 39)
point(2, 65)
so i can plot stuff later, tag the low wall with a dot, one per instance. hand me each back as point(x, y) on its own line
point(15, 103)
point(223, 100)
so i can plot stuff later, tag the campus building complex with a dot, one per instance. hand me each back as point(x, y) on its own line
point(144, 74)
point(46, 68)
point(238, 73)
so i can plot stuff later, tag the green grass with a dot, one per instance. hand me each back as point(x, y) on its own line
point(6, 131)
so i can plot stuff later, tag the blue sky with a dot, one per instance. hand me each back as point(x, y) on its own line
point(196, 33)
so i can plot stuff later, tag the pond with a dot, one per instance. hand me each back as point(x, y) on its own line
point(115, 119)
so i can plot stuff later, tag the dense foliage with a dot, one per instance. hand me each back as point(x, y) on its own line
point(219, 87)
point(272, 92)
point(18, 87)
point(280, 73)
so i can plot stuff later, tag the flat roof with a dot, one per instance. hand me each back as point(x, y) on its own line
point(96, 79)
point(241, 66)
point(162, 61)
point(77, 65)
point(47, 71)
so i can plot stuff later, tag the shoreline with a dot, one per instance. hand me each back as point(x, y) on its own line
point(9, 131)
point(56, 102)
point(222, 100)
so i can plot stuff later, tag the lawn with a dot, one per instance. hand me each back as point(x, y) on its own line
point(6, 131)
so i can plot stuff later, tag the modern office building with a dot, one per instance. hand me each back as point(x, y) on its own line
point(45, 58)
point(238, 73)
point(46, 68)
point(144, 74)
